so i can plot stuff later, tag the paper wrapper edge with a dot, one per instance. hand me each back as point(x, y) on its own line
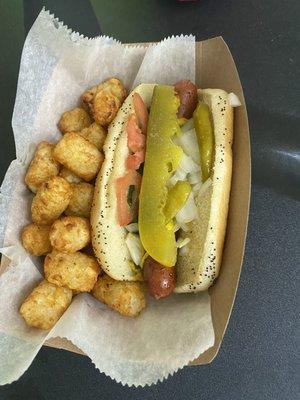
point(218, 70)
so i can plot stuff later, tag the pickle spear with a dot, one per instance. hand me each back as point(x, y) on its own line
point(177, 198)
point(205, 135)
point(162, 159)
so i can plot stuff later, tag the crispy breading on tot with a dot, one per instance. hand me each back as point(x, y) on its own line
point(70, 234)
point(95, 134)
point(69, 176)
point(78, 155)
point(81, 200)
point(127, 298)
point(45, 305)
point(51, 200)
point(35, 239)
point(74, 120)
point(42, 166)
point(104, 100)
point(77, 271)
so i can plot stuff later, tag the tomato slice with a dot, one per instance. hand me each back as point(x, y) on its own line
point(141, 112)
point(135, 139)
point(128, 189)
point(128, 186)
point(134, 160)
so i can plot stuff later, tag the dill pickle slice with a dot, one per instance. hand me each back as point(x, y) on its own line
point(205, 135)
point(162, 159)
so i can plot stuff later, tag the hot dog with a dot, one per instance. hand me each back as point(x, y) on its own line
point(161, 197)
point(160, 280)
point(187, 93)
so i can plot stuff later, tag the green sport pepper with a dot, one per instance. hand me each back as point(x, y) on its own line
point(162, 159)
point(205, 135)
point(177, 197)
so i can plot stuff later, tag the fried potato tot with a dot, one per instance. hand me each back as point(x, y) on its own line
point(45, 305)
point(35, 239)
point(81, 200)
point(42, 166)
point(74, 120)
point(51, 200)
point(77, 271)
point(128, 298)
point(69, 176)
point(95, 134)
point(70, 234)
point(104, 100)
point(78, 155)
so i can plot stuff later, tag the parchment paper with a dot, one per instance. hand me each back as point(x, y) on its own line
point(57, 65)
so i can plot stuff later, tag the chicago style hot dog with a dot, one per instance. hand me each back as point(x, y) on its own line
point(161, 197)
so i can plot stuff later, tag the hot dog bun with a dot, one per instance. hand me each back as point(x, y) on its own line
point(107, 237)
point(200, 265)
point(196, 269)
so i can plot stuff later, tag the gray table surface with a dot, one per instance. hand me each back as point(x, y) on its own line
point(259, 357)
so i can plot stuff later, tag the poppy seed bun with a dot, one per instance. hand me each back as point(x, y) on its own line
point(199, 266)
point(107, 237)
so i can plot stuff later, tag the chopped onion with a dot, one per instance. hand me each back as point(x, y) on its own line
point(234, 101)
point(194, 178)
point(188, 212)
point(188, 165)
point(181, 242)
point(135, 248)
point(188, 125)
point(133, 228)
point(189, 143)
point(205, 186)
point(179, 175)
point(197, 187)
point(184, 227)
point(176, 227)
point(183, 250)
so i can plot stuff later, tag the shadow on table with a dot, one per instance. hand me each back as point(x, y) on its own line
point(275, 151)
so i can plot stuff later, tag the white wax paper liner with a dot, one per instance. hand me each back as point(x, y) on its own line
point(57, 65)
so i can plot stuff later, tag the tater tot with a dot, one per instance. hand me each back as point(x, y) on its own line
point(69, 176)
point(77, 271)
point(127, 298)
point(81, 200)
point(51, 200)
point(42, 166)
point(70, 234)
point(35, 239)
point(78, 155)
point(74, 120)
point(45, 305)
point(95, 134)
point(104, 100)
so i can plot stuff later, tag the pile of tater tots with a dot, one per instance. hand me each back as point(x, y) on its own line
point(61, 176)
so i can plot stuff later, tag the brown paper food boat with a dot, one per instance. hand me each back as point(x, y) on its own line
point(215, 68)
